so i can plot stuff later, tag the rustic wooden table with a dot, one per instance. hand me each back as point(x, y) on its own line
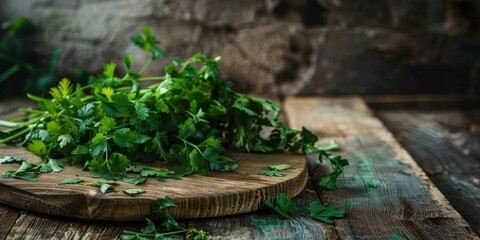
point(390, 191)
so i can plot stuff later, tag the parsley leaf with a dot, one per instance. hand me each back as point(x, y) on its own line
point(103, 185)
point(325, 213)
point(71, 181)
point(275, 170)
point(282, 205)
point(332, 145)
point(134, 191)
point(51, 165)
point(272, 173)
point(10, 159)
point(37, 147)
point(63, 90)
point(162, 203)
point(134, 180)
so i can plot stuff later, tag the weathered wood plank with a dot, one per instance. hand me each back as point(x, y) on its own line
point(36, 226)
point(268, 225)
point(421, 101)
point(8, 216)
point(218, 194)
point(9, 108)
point(385, 193)
point(446, 144)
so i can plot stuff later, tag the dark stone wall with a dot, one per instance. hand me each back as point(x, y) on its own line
point(275, 48)
point(399, 47)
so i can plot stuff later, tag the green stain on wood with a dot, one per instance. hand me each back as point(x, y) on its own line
point(267, 226)
point(366, 172)
point(403, 236)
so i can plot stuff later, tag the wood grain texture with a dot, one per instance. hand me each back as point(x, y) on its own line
point(384, 191)
point(37, 226)
point(446, 144)
point(8, 216)
point(268, 225)
point(219, 194)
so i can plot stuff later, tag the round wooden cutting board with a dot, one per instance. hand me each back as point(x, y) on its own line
point(196, 196)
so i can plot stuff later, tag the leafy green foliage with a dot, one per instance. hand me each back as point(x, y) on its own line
point(325, 213)
point(37, 147)
point(26, 171)
point(148, 42)
point(168, 226)
point(51, 165)
point(134, 191)
point(10, 159)
point(134, 180)
point(103, 185)
point(286, 208)
point(275, 170)
point(71, 181)
point(332, 145)
point(188, 118)
point(22, 69)
point(282, 205)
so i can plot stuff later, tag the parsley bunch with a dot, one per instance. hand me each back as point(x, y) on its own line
point(168, 228)
point(188, 117)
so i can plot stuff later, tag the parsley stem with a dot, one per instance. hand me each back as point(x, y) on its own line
point(29, 110)
point(151, 78)
point(14, 136)
point(153, 234)
point(146, 66)
point(8, 124)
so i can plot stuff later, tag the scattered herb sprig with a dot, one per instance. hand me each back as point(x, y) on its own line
point(188, 117)
point(287, 208)
point(275, 170)
point(169, 227)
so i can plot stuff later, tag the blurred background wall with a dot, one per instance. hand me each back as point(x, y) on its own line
point(276, 48)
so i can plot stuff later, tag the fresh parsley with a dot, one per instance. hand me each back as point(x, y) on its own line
point(188, 117)
point(275, 170)
point(168, 226)
point(325, 213)
point(71, 181)
point(282, 206)
point(10, 159)
point(287, 208)
point(103, 185)
point(134, 191)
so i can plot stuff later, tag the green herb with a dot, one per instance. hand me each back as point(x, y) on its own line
point(20, 64)
point(10, 159)
point(282, 206)
point(275, 170)
point(71, 181)
point(134, 191)
point(103, 185)
point(332, 145)
point(25, 176)
point(325, 213)
point(26, 171)
point(168, 226)
point(134, 180)
point(286, 208)
point(188, 117)
point(51, 165)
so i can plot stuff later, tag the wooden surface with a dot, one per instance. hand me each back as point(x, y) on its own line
point(446, 144)
point(218, 194)
point(385, 193)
